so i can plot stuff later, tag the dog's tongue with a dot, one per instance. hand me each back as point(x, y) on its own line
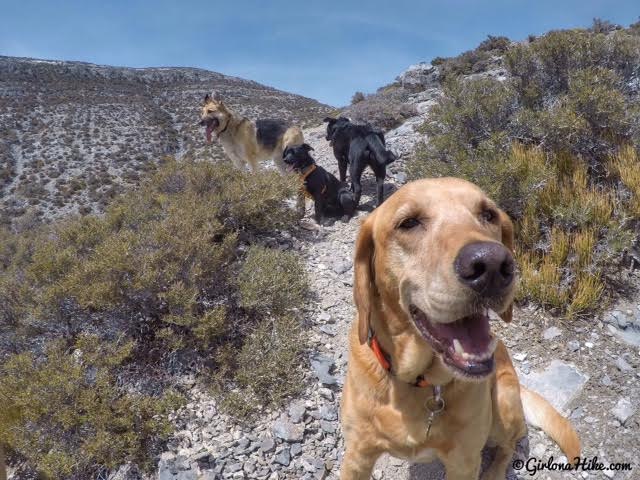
point(472, 332)
point(209, 132)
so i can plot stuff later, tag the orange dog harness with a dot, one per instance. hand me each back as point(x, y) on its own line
point(303, 179)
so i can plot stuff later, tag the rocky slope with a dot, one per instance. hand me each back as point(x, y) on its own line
point(73, 134)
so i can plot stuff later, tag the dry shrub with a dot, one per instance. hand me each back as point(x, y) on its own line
point(169, 269)
point(548, 144)
point(625, 166)
point(568, 232)
point(64, 413)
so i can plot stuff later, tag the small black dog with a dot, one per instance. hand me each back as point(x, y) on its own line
point(331, 198)
point(359, 146)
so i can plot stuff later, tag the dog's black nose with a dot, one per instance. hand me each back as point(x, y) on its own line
point(486, 267)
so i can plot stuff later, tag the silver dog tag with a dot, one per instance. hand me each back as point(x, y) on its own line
point(435, 405)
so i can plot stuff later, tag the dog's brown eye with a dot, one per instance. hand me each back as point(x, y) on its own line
point(489, 215)
point(409, 223)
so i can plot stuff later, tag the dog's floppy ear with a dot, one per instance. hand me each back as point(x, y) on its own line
point(507, 230)
point(364, 288)
point(307, 147)
point(329, 119)
point(507, 241)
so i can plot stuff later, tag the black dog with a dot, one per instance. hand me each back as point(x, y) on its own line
point(359, 146)
point(330, 197)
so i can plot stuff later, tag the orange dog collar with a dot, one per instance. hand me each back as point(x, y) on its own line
point(385, 361)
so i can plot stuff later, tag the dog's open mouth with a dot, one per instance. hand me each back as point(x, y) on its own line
point(211, 124)
point(465, 345)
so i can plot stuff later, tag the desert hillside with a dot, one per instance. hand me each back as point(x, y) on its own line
point(74, 134)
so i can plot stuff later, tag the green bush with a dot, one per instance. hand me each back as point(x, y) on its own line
point(541, 144)
point(271, 280)
point(493, 44)
point(510, 179)
point(543, 68)
point(569, 234)
point(357, 98)
point(172, 267)
point(268, 367)
point(590, 120)
point(473, 61)
point(63, 413)
point(159, 250)
point(468, 116)
point(567, 92)
point(595, 94)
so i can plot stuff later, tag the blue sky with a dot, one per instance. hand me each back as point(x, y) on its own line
point(322, 49)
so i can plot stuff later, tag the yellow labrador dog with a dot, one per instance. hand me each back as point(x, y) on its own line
point(426, 376)
point(244, 141)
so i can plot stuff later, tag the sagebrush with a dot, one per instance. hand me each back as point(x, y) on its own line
point(555, 145)
point(181, 266)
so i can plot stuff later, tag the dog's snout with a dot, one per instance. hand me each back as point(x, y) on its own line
point(486, 267)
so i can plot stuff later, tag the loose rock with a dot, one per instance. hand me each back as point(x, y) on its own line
point(559, 383)
point(551, 333)
point(623, 365)
point(289, 432)
point(283, 458)
point(623, 410)
point(321, 366)
point(573, 345)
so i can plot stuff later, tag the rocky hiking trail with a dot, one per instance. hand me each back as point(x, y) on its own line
point(588, 368)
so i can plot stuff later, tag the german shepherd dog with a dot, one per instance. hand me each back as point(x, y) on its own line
point(246, 142)
point(331, 198)
point(358, 146)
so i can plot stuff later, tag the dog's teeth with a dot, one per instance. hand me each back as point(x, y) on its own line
point(490, 350)
point(457, 346)
point(492, 314)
